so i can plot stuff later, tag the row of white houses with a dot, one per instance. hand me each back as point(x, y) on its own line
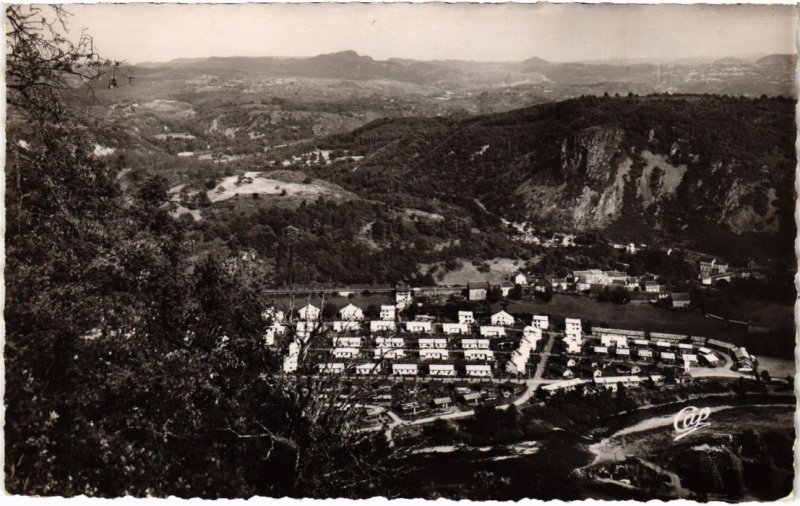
point(407, 369)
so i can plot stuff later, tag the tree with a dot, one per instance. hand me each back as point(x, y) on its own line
point(765, 377)
point(494, 295)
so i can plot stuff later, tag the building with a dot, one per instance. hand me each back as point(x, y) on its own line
point(442, 402)
point(274, 314)
point(304, 329)
point(520, 279)
point(448, 370)
point(432, 343)
point(275, 329)
point(351, 312)
point(331, 368)
point(710, 266)
point(403, 296)
point(478, 354)
point(387, 353)
point(309, 312)
point(345, 352)
point(667, 356)
point(479, 371)
point(572, 326)
point(622, 352)
point(466, 317)
point(404, 369)
point(382, 326)
point(561, 370)
point(477, 290)
point(433, 354)
point(601, 350)
point(680, 299)
point(503, 319)
point(388, 312)
point(368, 369)
point(290, 363)
point(744, 361)
point(418, 327)
point(566, 386)
point(541, 322)
point(455, 328)
point(559, 284)
point(531, 336)
point(518, 361)
point(390, 342)
point(346, 342)
point(652, 287)
point(644, 354)
point(475, 344)
point(346, 326)
point(492, 331)
point(614, 340)
point(506, 287)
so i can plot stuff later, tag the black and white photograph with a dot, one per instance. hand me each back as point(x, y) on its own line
point(400, 250)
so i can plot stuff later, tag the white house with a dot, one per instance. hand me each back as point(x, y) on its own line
point(602, 350)
point(652, 287)
point(433, 354)
point(492, 331)
point(623, 352)
point(479, 354)
point(404, 369)
point(455, 328)
point(274, 314)
point(503, 319)
point(390, 342)
point(479, 371)
point(432, 343)
point(304, 328)
point(572, 326)
point(346, 342)
point(418, 327)
point(387, 312)
point(346, 326)
point(309, 312)
point(442, 370)
point(386, 353)
point(573, 344)
point(644, 354)
point(710, 359)
point(475, 344)
point(382, 326)
point(541, 322)
point(531, 336)
point(466, 317)
point(290, 363)
point(275, 329)
point(331, 368)
point(351, 312)
point(367, 369)
point(614, 340)
point(403, 296)
point(667, 355)
point(520, 279)
point(345, 352)
point(516, 364)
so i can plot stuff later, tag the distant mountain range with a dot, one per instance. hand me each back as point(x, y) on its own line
point(771, 75)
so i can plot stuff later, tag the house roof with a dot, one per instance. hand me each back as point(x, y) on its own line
point(473, 285)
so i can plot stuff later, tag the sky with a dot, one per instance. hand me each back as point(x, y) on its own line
point(555, 32)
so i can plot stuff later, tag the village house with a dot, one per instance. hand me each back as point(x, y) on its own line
point(518, 361)
point(541, 322)
point(275, 329)
point(614, 340)
point(433, 354)
point(531, 336)
point(304, 329)
point(520, 279)
point(492, 331)
point(442, 370)
point(382, 326)
point(567, 385)
point(479, 371)
point(351, 312)
point(387, 353)
point(468, 344)
point(291, 362)
point(506, 287)
point(346, 342)
point(477, 290)
point(478, 354)
point(744, 361)
point(710, 359)
point(652, 286)
point(403, 296)
point(472, 397)
point(331, 368)
point(346, 326)
point(432, 343)
point(466, 317)
point(600, 350)
point(387, 312)
point(345, 352)
point(404, 369)
point(573, 327)
point(611, 382)
point(622, 352)
point(390, 342)
point(561, 370)
point(416, 327)
point(274, 314)
point(368, 369)
point(503, 319)
point(309, 312)
point(455, 328)
point(442, 402)
point(559, 284)
point(667, 356)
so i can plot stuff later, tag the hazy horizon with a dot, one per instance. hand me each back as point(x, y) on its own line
point(157, 33)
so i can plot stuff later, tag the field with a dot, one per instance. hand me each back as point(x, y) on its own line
point(651, 318)
point(500, 269)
